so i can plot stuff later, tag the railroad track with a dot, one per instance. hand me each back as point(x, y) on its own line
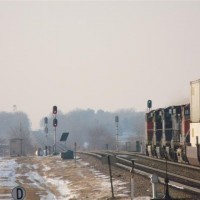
point(178, 170)
point(180, 175)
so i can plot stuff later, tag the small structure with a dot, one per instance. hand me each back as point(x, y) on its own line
point(16, 147)
point(154, 181)
point(69, 154)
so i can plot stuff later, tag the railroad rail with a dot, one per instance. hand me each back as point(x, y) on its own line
point(174, 169)
point(181, 176)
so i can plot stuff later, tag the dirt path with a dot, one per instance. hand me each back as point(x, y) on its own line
point(48, 178)
point(51, 178)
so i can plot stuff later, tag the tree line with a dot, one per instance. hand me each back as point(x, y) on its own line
point(90, 129)
point(15, 125)
point(95, 129)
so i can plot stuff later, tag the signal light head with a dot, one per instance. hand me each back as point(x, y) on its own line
point(54, 110)
point(46, 120)
point(55, 122)
point(149, 104)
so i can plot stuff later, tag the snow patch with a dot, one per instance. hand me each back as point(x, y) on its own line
point(7, 172)
point(63, 189)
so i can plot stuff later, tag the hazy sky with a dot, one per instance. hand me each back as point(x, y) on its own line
point(97, 54)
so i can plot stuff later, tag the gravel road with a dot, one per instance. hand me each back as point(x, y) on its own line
point(143, 185)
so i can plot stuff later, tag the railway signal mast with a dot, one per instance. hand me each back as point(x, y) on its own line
point(55, 123)
point(117, 134)
point(46, 131)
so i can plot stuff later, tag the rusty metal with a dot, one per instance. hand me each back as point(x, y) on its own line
point(167, 196)
point(110, 172)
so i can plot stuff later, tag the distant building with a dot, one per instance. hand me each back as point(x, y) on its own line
point(131, 142)
point(16, 147)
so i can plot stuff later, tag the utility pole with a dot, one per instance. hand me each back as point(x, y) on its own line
point(75, 153)
point(167, 196)
point(132, 178)
point(117, 134)
point(110, 172)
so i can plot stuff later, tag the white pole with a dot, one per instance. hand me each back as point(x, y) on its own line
point(154, 181)
point(132, 179)
point(132, 187)
point(154, 190)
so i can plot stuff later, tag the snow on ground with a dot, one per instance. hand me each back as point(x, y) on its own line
point(8, 177)
point(63, 189)
point(7, 173)
point(105, 183)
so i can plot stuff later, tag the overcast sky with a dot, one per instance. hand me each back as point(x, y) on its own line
point(97, 54)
